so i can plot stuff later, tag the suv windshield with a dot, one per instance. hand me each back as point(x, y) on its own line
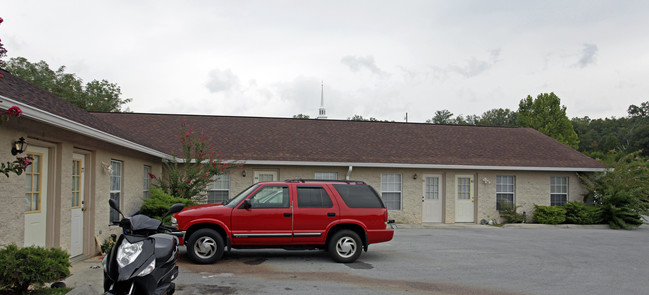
point(238, 198)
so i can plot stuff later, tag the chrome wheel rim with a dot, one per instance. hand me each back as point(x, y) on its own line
point(205, 247)
point(346, 247)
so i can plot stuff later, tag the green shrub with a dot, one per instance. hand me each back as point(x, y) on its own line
point(580, 213)
point(509, 214)
point(159, 203)
point(549, 214)
point(20, 268)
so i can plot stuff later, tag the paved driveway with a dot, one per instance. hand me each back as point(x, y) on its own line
point(482, 260)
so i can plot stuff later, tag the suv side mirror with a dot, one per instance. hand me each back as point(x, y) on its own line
point(246, 204)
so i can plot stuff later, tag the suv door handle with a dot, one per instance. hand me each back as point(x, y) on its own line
point(288, 214)
point(331, 214)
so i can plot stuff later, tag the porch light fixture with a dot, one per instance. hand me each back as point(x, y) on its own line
point(414, 176)
point(19, 146)
point(243, 173)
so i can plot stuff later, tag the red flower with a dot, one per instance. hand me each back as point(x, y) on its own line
point(15, 111)
point(1, 20)
point(189, 180)
point(151, 175)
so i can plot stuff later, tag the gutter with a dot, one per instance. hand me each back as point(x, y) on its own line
point(420, 166)
point(67, 124)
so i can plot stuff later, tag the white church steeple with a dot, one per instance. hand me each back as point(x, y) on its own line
point(322, 113)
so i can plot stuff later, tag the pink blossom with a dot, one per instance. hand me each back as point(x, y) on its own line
point(15, 111)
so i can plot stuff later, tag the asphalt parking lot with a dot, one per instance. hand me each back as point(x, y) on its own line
point(476, 260)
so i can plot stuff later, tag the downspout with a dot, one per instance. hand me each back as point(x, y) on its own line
point(349, 172)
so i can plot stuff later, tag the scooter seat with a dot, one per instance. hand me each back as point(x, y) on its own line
point(165, 245)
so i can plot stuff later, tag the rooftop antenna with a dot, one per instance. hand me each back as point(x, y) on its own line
point(322, 113)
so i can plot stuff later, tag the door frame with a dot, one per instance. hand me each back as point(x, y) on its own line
point(442, 195)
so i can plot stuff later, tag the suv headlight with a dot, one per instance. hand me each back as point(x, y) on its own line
point(127, 252)
point(174, 222)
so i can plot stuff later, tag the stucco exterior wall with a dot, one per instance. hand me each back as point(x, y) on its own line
point(12, 194)
point(530, 188)
point(62, 145)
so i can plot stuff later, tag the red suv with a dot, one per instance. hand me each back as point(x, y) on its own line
point(341, 216)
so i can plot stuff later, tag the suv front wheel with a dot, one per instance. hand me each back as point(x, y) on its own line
point(345, 246)
point(205, 246)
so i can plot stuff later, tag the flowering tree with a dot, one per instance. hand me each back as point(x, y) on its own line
point(3, 51)
point(189, 176)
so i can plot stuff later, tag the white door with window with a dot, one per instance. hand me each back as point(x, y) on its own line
point(76, 227)
point(432, 206)
point(261, 175)
point(464, 200)
point(36, 197)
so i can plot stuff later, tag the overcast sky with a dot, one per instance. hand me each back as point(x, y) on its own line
point(379, 59)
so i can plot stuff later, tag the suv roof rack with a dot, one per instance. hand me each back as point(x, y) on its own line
point(301, 180)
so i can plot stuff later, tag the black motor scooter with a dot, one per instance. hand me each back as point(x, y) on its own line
point(142, 261)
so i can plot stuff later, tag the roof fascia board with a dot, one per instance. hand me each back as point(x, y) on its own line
point(64, 123)
point(422, 166)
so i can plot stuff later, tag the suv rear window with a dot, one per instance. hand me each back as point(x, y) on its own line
point(313, 197)
point(359, 196)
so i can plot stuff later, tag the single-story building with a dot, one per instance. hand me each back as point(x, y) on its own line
point(424, 172)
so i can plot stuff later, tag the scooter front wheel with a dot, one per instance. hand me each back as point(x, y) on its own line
point(205, 246)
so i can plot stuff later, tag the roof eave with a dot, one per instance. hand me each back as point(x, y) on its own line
point(67, 124)
point(422, 166)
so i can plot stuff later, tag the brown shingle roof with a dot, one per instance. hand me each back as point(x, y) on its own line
point(19, 90)
point(277, 139)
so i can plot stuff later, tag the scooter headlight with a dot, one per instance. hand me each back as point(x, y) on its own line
point(174, 222)
point(127, 252)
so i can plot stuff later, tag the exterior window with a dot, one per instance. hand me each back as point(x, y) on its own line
point(432, 188)
point(115, 188)
point(146, 182)
point(558, 190)
point(313, 197)
point(505, 188)
point(76, 183)
point(326, 175)
point(33, 179)
point(391, 191)
point(218, 191)
point(271, 197)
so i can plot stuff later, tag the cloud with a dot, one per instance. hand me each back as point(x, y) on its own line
point(357, 63)
point(472, 67)
point(588, 56)
point(222, 80)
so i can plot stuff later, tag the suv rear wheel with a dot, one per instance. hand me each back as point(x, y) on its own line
point(345, 246)
point(205, 246)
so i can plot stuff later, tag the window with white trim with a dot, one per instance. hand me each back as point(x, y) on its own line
point(218, 191)
point(505, 191)
point(391, 190)
point(146, 182)
point(558, 190)
point(33, 184)
point(326, 175)
point(115, 188)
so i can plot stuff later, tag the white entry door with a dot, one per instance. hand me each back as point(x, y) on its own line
point(76, 226)
point(36, 197)
point(464, 201)
point(261, 175)
point(432, 206)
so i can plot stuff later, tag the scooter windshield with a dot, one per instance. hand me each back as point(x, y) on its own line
point(140, 222)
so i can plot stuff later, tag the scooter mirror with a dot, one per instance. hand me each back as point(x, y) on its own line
point(114, 205)
point(175, 208)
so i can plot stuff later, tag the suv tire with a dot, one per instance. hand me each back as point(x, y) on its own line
point(205, 246)
point(345, 246)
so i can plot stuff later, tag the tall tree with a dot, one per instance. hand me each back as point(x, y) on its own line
point(95, 96)
point(498, 117)
point(547, 115)
point(442, 117)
